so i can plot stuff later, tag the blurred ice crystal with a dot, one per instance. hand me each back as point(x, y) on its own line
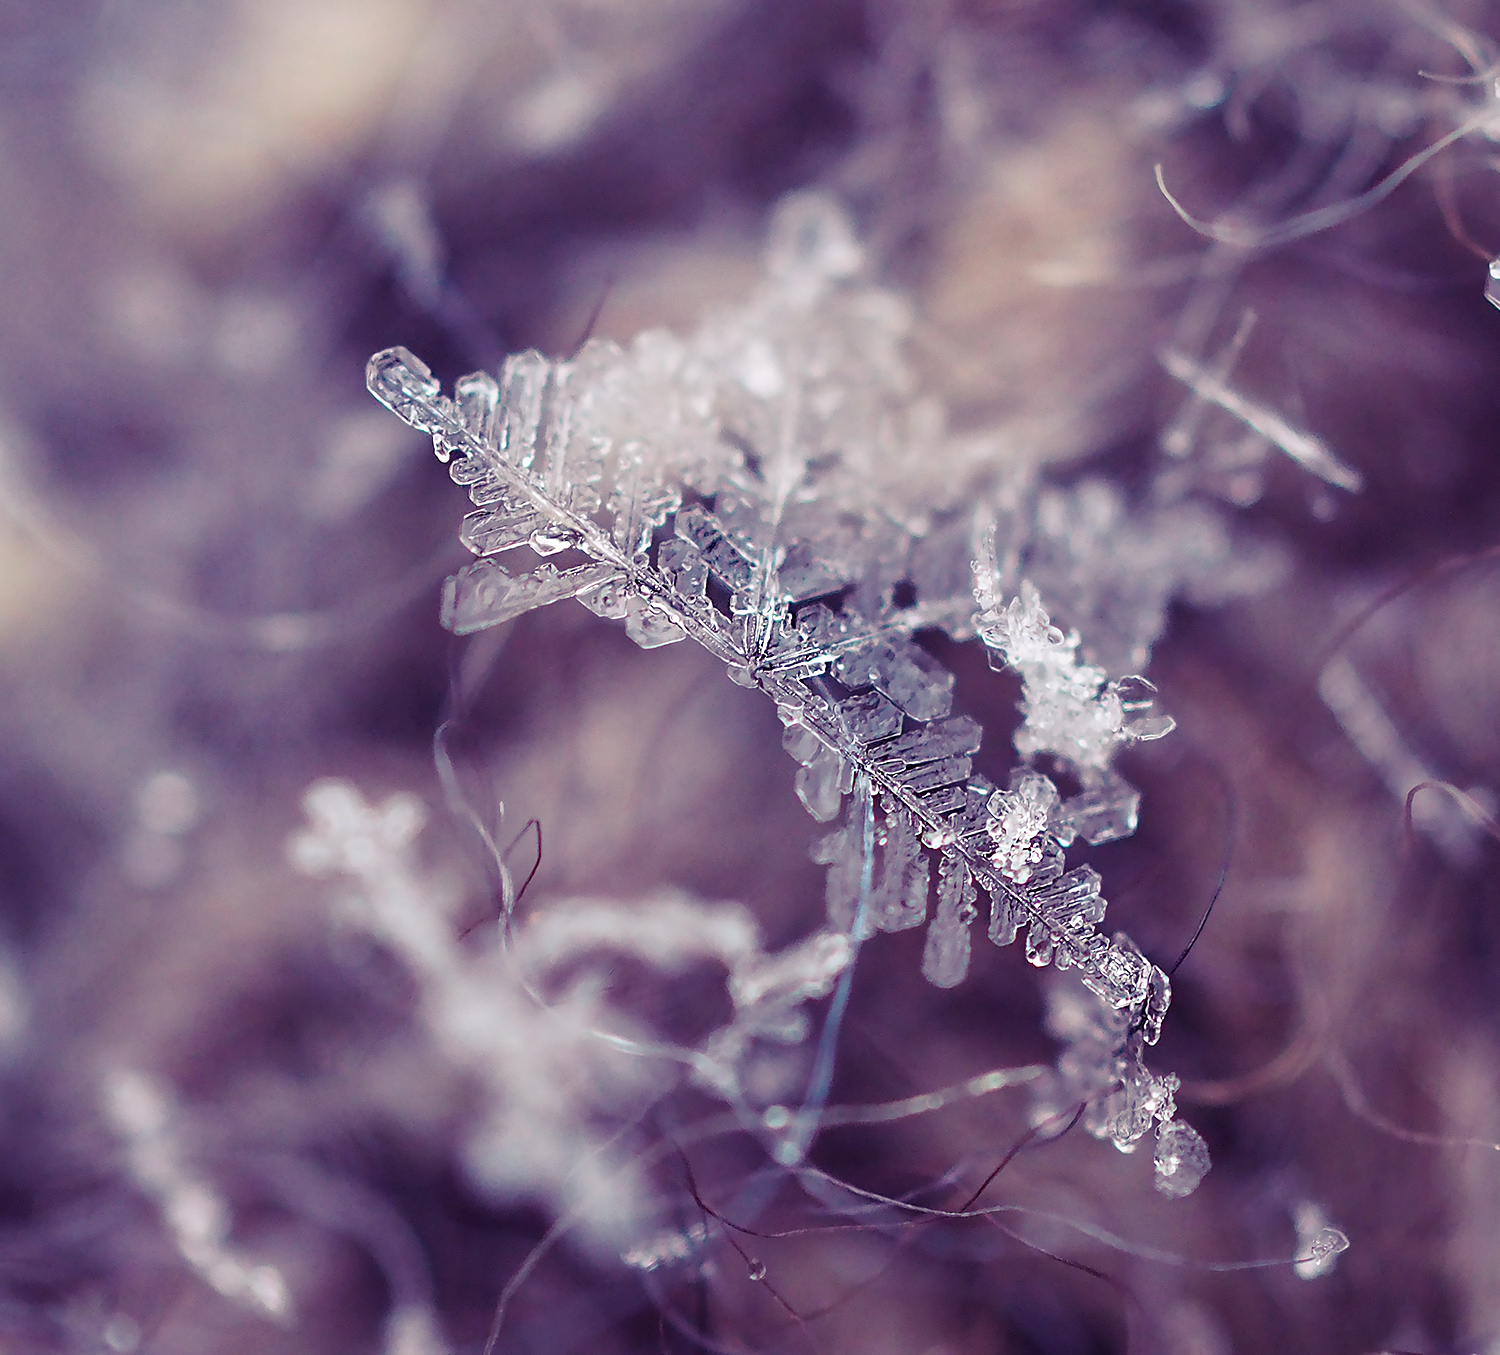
point(143, 1114)
point(1102, 1075)
point(167, 809)
point(545, 1081)
point(1181, 1159)
point(776, 489)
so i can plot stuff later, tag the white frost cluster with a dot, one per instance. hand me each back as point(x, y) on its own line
point(1101, 1069)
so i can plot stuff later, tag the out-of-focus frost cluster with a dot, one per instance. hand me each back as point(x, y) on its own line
point(559, 1074)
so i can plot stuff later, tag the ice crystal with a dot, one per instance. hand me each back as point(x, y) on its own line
point(764, 489)
point(1181, 1159)
point(550, 1072)
point(143, 1114)
point(542, 1082)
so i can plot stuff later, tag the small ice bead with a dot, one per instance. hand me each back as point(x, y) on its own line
point(1492, 284)
point(1181, 1159)
point(811, 238)
point(1322, 1251)
point(650, 628)
point(818, 785)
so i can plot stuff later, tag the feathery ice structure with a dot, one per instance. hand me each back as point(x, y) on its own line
point(772, 489)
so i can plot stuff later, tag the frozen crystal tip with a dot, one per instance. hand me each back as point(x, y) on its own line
point(1181, 1160)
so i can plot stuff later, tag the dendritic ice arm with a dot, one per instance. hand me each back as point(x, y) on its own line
point(143, 1114)
point(1077, 716)
point(742, 489)
point(1074, 714)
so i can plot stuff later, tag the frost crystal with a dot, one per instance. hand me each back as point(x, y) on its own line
point(765, 488)
point(1318, 1246)
point(548, 1074)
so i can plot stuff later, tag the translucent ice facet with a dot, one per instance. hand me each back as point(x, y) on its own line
point(869, 716)
point(639, 501)
point(1123, 976)
point(549, 538)
point(932, 775)
point(800, 742)
point(806, 574)
point(912, 678)
point(1181, 1159)
point(523, 383)
point(943, 802)
point(683, 567)
point(1141, 721)
point(970, 824)
point(468, 470)
point(611, 600)
point(842, 851)
point(1106, 810)
point(818, 784)
point(487, 533)
point(728, 564)
point(405, 385)
point(478, 398)
point(1005, 917)
point(1074, 901)
point(649, 627)
point(899, 898)
point(485, 594)
point(493, 489)
point(1158, 995)
point(949, 739)
point(945, 957)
